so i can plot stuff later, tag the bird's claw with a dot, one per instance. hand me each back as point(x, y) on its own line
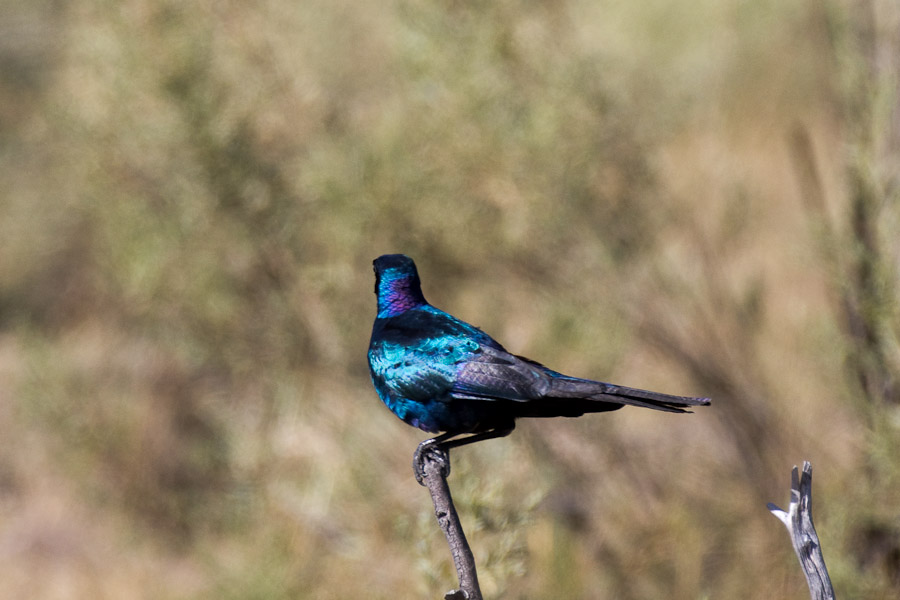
point(430, 450)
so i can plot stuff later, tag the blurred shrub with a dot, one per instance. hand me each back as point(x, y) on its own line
point(191, 198)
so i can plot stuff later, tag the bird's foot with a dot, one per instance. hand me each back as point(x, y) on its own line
point(430, 450)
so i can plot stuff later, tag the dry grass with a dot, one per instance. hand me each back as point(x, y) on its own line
point(694, 197)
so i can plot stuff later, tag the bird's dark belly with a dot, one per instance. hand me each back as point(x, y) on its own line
point(458, 416)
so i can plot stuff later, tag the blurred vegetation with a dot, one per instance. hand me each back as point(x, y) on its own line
point(694, 197)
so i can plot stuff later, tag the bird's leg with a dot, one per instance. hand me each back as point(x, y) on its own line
point(438, 449)
point(490, 434)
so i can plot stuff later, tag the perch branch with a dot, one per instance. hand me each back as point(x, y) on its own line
point(799, 523)
point(436, 462)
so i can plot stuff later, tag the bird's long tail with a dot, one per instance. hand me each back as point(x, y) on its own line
point(597, 391)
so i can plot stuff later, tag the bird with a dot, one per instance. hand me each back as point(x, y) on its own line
point(445, 376)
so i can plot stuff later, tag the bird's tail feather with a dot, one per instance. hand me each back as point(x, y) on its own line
point(571, 387)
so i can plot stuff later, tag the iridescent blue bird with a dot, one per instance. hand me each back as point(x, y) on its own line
point(441, 374)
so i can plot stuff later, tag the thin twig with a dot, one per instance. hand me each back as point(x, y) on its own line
point(799, 523)
point(436, 481)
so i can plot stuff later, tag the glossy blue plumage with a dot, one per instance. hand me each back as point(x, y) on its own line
point(438, 373)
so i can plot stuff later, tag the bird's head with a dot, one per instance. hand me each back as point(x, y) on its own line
point(397, 284)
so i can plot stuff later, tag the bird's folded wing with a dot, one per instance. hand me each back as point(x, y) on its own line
point(498, 375)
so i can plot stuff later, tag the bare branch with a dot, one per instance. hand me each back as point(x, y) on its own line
point(799, 523)
point(436, 469)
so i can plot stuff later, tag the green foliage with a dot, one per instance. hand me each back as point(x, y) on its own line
point(698, 198)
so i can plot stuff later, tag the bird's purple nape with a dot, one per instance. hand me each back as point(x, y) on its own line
point(399, 295)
